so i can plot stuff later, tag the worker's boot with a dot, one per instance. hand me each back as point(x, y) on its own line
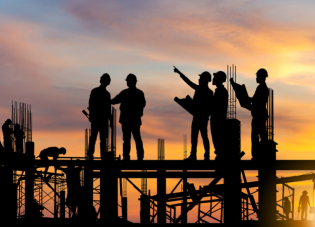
point(192, 157)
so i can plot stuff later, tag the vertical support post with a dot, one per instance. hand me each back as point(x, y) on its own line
point(246, 209)
point(292, 203)
point(14, 201)
point(29, 180)
point(7, 192)
point(267, 183)
point(144, 209)
point(282, 198)
point(55, 196)
point(86, 213)
point(124, 208)
point(232, 192)
point(199, 210)
point(62, 204)
point(161, 201)
point(184, 205)
point(174, 217)
point(109, 189)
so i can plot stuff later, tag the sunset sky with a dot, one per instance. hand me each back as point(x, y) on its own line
point(52, 53)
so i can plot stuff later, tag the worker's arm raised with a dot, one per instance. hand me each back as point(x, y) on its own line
point(191, 84)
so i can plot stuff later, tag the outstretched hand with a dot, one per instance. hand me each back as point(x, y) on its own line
point(176, 70)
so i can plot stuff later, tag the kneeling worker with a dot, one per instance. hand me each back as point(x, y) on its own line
point(51, 152)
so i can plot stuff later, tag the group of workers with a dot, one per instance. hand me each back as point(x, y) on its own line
point(7, 136)
point(205, 104)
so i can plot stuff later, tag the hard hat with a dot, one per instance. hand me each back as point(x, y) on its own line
point(262, 72)
point(221, 75)
point(131, 77)
point(105, 76)
point(207, 75)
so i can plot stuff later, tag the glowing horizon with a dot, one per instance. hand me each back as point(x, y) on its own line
point(53, 54)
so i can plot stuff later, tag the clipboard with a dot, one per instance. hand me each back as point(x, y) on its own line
point(242, 95)
point(186, 103)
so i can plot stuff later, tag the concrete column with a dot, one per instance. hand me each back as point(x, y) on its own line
point(62, 204)
point(144, 209)
point(124, 209)
point(88, 191)
point(232, 192)
point(29, 180)
point(161, 201)
point(184, 205)
point(109, 189)
point(267, 183)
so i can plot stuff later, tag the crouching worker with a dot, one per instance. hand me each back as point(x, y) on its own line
point(51, 152)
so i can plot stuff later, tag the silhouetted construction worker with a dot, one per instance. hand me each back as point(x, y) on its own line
point(19, 136)
point(7, 132)
point(202, 102)
point(219, 109)
point(73, 187)
point(132, 103)
point(287, 207)
point(100, 113)
point(51, 152)
point(259, 110)
point(304, 201)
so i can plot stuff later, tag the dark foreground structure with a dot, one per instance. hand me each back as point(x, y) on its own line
point(92, 191)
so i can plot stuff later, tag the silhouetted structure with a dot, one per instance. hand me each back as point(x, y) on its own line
point(100, 114)
point(73, 188)
point(227, 195)
point(201, 105)
point(132, 103)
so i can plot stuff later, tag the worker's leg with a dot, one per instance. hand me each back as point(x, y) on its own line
point(194, 138)
point(217, 127)
point(103, 136)
point(94, 130)
point(262, 129)
point(204, 134)
point(303, 213)
point(139, 144)
point(8, 144)
point(254, 136)
point(126, 130)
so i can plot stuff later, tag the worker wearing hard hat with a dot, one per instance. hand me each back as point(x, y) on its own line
point(202, 102)
point(132, 103)
point(259, 110)
point(100, 114)
point(218, 113)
